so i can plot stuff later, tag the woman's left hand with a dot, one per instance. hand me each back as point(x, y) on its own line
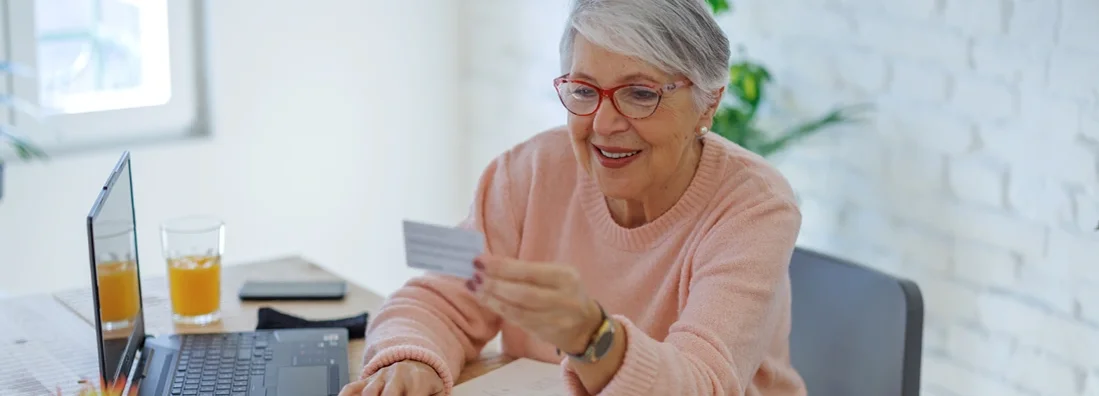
point(545, 299)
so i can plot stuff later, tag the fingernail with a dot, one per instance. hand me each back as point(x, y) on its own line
point(471, 286)
point(478, 264)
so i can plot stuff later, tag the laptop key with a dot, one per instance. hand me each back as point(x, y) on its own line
point(257, 383)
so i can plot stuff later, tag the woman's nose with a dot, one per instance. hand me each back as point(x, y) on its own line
point(607, 119)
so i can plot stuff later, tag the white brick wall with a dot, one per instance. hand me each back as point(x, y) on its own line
point(985, 265)
point(1089, 120)
point(1033, 21)
point(978, 178)
point(976, 17)
point(983, 98)
point(1010, 61)
point(1078, 28)
point(919, 81)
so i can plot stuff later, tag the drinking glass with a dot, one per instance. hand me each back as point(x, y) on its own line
point(193, 247)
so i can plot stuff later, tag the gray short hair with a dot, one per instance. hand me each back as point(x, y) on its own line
point(676, 36)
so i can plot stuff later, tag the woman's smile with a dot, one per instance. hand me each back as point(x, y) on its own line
point(615, 157)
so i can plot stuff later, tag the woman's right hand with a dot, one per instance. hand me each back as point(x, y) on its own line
point(402, 378)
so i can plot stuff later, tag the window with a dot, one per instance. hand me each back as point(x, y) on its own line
point(105, 71)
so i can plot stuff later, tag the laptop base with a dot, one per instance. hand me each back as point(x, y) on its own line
point(303, 362)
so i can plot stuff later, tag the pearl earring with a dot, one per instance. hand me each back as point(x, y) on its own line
point(703, 130)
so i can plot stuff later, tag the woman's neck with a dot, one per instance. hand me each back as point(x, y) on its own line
point(632, 213)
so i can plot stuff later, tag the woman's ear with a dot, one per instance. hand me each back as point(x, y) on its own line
point(711, 109)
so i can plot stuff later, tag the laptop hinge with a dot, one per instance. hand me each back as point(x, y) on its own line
point(143, 364)
point(138, 371)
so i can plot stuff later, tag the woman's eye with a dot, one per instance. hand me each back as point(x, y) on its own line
point(643, 95)
point(583, 92)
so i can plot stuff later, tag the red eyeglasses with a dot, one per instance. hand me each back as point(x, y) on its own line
point(631, 100)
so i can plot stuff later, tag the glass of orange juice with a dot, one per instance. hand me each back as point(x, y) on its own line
point(116, 274)
point(193, 247)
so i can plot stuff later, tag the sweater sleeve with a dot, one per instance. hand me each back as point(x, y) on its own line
point(738, 300)
point(433, 318)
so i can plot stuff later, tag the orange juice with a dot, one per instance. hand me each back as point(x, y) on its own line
point(194, 283)
point(117, 282)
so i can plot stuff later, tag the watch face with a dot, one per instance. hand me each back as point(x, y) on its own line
point(603, 344)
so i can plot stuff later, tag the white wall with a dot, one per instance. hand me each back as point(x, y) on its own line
point(333, 120)
point(977, 177)
point(508, 64)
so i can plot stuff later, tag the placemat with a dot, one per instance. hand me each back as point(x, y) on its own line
point(155, 299)
point(44, 348)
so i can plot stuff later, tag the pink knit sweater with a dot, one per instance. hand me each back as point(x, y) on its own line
point(703, 291)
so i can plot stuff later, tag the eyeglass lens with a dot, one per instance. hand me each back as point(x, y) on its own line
point(632, 101)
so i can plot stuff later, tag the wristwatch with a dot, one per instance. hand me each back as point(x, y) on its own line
point(600, 342)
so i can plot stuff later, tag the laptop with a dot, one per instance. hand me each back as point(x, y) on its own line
point(305, 362)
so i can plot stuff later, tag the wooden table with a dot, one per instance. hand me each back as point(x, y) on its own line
point(29, 326)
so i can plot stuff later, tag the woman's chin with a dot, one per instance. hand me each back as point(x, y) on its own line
point(617, 188)
point(621, 183)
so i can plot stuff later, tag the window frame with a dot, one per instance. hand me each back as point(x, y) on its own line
point(185, 115)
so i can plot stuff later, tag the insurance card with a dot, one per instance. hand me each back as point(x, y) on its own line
point(446, 250)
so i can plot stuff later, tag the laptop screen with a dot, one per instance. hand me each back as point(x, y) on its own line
point(116, 290)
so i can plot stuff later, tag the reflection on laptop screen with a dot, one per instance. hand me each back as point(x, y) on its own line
point(117, 291)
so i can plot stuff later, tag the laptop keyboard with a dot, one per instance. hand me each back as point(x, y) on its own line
point(221, 364)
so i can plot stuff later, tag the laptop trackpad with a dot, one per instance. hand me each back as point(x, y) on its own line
point(303, 381)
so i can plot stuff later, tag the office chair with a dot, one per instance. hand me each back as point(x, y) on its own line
point(856, 331)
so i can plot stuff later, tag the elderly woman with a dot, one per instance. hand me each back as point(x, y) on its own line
point(642, 253)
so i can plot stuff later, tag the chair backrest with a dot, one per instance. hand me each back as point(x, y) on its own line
point(856, 331)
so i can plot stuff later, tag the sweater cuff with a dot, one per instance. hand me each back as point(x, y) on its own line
point(636, 374)
point(398, 353)
point(572, 381)
point(640, 365)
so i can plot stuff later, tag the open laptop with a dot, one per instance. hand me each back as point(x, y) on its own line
point(306, 362)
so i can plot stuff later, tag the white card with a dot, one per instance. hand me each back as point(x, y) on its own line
point(446, 250)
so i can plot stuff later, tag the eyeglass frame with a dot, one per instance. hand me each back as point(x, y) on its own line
point(609, 93)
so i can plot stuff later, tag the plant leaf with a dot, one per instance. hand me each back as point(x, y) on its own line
point(23, 148)
point(718, 6)
point(839, 116)
point(747, 83)
point(729, 122)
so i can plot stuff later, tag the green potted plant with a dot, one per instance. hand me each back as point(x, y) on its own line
point(24, 150)
point(735, 118)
